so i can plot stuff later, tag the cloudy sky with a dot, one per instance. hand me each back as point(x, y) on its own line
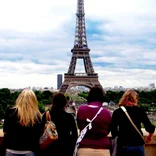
point(36, 38)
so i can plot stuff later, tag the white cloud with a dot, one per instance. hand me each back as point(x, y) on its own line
point(126, 77)
point(36, 38)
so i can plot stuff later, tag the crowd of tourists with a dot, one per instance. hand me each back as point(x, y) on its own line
point(24, 127)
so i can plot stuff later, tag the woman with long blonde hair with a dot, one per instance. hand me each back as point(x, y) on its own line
point(130, 142)
point(22, 126)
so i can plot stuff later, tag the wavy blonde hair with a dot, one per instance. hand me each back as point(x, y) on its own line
point(129, 97)
point(27, 106)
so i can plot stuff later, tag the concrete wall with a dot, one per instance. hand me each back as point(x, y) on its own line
point(150, 149)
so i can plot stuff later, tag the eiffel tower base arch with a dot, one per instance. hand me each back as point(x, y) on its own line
point(87, 81)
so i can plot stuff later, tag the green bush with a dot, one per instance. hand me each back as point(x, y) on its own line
point(154, 123)
point(1, 126)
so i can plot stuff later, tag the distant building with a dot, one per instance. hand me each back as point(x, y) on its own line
point(116, 87)
point(152, 86)
point(59, 81)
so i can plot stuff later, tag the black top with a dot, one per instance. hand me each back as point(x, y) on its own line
point(18, 137)
point(122, 127)
point(67, 134)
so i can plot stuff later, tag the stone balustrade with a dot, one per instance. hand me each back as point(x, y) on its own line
point(150, 148)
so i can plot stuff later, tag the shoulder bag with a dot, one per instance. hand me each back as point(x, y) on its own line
point(50, 133)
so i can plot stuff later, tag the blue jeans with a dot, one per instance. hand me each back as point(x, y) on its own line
point(132, 151)
point(12, 154)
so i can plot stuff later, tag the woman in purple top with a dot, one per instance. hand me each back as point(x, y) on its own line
point(96, 140)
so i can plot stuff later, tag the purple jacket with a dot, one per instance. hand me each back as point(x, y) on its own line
point(96, 137)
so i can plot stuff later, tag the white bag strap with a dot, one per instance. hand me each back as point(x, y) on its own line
point(90, 121)
point(125, 111)
point(83, 132)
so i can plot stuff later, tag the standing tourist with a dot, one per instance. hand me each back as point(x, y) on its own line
point(22, 126)
point(65, 126)
point(96, 141)
point(71, 107)
point(130, 141)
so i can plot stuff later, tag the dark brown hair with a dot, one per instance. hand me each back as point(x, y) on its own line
point(96, 94)
point(59, 102)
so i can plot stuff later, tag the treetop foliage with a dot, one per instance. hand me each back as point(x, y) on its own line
point(7, 99)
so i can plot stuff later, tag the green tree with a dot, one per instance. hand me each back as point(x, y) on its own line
point(5, 100)
point(83, 94)
point(47, 97)
point(41, 107)
point(38, 95)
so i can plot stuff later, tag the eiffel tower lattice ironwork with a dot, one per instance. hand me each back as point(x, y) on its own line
point(80, 51)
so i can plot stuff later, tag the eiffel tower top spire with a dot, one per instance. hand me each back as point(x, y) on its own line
point(80, 34)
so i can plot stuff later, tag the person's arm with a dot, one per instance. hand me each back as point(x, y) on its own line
point(149, 138)
point(149, 127)
point(6, 124)
point(37, 131)
point(6, 128)
point(74, 130)
point(71, 140)
point(80, 122)
point(109, 122)
point(114, 126)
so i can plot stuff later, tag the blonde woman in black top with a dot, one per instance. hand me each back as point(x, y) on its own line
point(129, 141)
point(22, 127)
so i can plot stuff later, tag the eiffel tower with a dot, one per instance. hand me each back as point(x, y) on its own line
point(80, 51)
